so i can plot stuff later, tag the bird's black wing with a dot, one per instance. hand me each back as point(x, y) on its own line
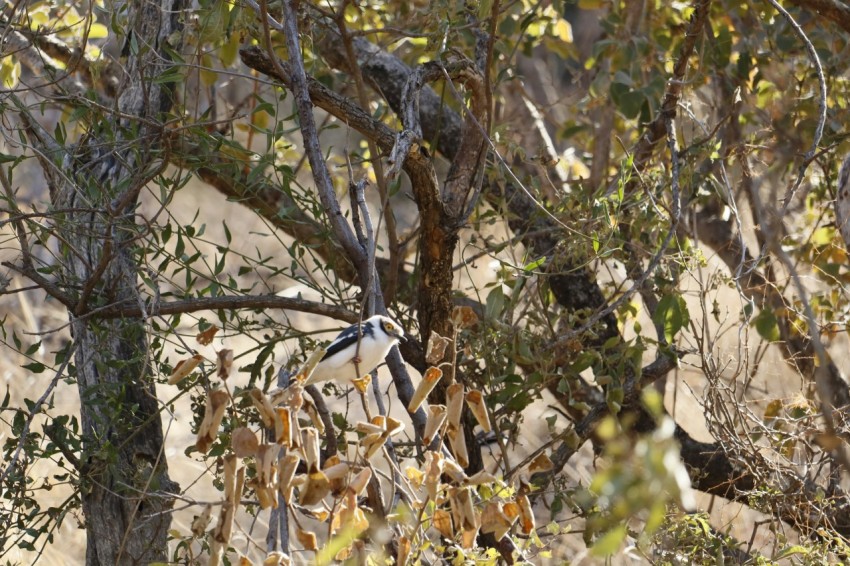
point(346, 338)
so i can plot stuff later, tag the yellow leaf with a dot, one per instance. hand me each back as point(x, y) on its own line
point(564, 31)
point(10, 72)
point(98, 31)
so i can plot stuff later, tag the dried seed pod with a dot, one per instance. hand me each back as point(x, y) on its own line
point(362, 383)
point(184, 368)
point(217, 402)
point(315, 418)
point(336, 472)
point(295, 427)
point(264, 407)
point(282, 427)
point(225, 363)
point(372, 444)
point(224, 528)
point(231, 465)
point(457, 440)
point(310, 449)
point(266, 497)
point(360, 481)
point(369, 428)
point(480, 478)
point(433, 470)
point(454, 404)
point(307, 369)
point(267, 464)
point(454, 471)
point(316, 489)
point(429, 381)
point(288, 466)
point(394, 426)
point(475, 400)
point(436, 418)
point(292, 396)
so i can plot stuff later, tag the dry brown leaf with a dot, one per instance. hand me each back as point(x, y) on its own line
point(202, 521)
point(184, 368)
point(464, 317)
point(306, 539)
point(205, 338)
point(541, 464)
point(316, 489)
point(225, 363)
point(526, 515)
point(217, 402)
point(436, 348)
point(494, 520)
point(277, 558)
point(264, 407)
point(443, 523)
point(403, 551)
point(244, 442)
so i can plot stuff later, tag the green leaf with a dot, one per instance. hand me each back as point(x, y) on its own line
point(35, 367)
point(627, 100)
point(610, 542)
point(495, 302)
point(672, 315)
point(767, 325)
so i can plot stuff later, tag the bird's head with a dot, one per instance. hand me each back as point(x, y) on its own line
point(388, 326)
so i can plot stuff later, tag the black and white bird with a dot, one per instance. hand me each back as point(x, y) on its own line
point(343, 360)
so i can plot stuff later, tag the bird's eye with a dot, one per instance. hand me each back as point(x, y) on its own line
point(388, 327)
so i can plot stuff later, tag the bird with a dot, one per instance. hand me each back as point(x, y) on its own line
point(343, 360)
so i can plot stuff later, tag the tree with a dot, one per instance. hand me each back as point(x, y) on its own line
point(652, 190)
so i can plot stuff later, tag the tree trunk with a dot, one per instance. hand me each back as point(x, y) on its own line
point(123, 461)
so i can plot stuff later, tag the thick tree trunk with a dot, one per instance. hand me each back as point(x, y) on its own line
point(123, 461)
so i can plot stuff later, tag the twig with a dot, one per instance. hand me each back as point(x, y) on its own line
point(809, 155)
point(69, 355)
